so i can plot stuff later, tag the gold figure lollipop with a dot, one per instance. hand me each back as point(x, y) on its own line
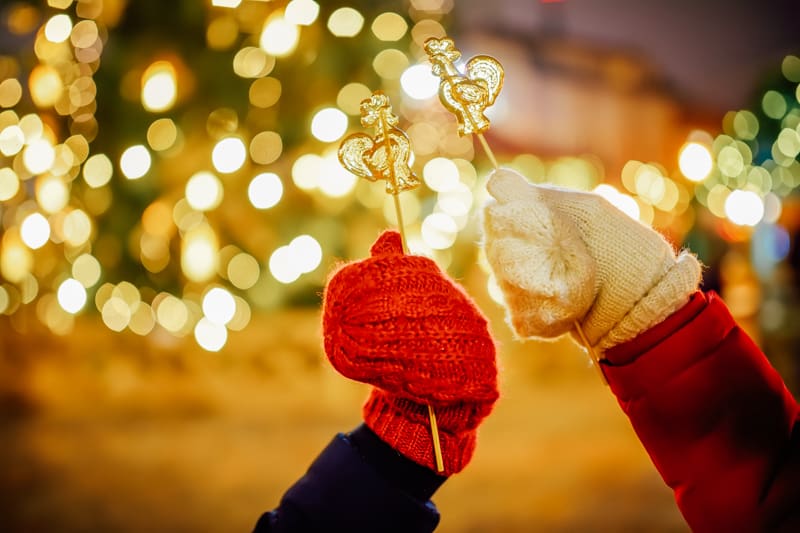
point(467, 97)
point(385, 156)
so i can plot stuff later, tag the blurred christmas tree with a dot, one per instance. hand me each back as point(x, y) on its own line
point(174, 166)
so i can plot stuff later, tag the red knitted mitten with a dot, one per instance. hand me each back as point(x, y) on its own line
point(399, 323)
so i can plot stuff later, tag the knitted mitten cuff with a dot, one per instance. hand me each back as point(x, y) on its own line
point(404, 425)
point(670, 294)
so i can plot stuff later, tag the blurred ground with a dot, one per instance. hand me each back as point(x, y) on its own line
point(115, 433)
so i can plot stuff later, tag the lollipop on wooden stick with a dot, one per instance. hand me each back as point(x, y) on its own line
point(467, 97)
point(385, 156)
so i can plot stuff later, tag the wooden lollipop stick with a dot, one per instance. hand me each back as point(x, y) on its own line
point(592, 353)
point(385, 156)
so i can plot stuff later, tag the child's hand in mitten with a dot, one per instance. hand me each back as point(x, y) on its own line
point(399, 323)
point(563, 257)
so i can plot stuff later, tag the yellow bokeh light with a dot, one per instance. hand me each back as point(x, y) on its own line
point(350, 97)
point(172, 313)
point(135, 162)
point(439, 231)
point(695, 161)
point(730, 161)
point(745, 125)
point(389, 26)
point(71, 295)
point(199, 254)
point(58, 28)
point(790, 67)
point(97, 170)
point(142, 320)
point(716, 199)
point(390, 64)
point(265, 92)
point(162, 134)
point(157, 219)
point(279, 37)
point(210, 336)
point(243, 271)
point(265, 190)
point(35, 231)
point(10, 92)
point(306, 171)
point(440, 174)
point(86, 269)
point(116, 314)
point(328, 124)
point(16, 261)
point(77, 227)
point(12, 139)
point(9, 184)
point(38, 156)
point(788, 142)
point(266, 147)
point(159, 87)
point(226, 3)
point(229, 155)
point(242, 315)
point(45, 85)
point(222, 32)
point(774, 104)
point(456, 201)
point(52, 194)
point(252, 62)
point(84, 34)
point(204, 191)
point(333, 180)
point(345, 22)
point(302, 12)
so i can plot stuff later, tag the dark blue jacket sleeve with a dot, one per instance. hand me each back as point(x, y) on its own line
point(357, 484)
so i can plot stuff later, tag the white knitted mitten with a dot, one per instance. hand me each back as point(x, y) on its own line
point(563, 257)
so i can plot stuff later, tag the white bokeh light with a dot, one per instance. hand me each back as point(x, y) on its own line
point(329, 124)
point(209, 335)
point(265, 190)
point(35, 231)
point(219, 306)
point(135, 162)
point(204, 191)
point(744, 208)
point(71, 295)
point(229, 155)
point(419, 82)
point(307, 253)
point(695, 161)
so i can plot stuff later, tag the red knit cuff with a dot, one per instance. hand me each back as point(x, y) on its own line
point(404, 426)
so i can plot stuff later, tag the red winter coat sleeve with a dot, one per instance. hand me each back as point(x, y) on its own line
point(715, 417)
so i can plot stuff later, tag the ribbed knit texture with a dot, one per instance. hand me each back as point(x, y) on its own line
point(563, 256)
point(399, 323)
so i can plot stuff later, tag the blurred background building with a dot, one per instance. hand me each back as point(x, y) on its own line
point(171, 202)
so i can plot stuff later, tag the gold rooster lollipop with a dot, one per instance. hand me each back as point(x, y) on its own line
point(467, 97)
point(385, 156)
